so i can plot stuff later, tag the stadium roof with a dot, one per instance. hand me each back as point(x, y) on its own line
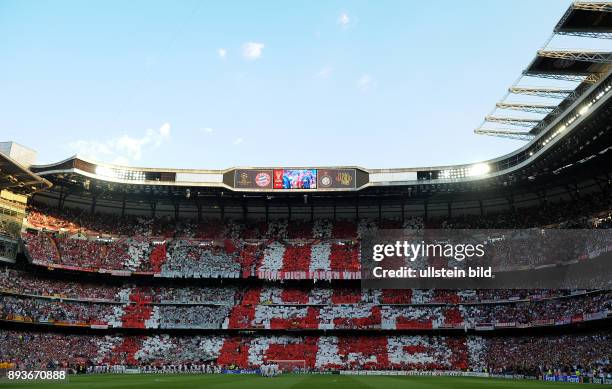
point(582, 66)
point(580, 131)
point(19, 179)
point(592, 19)
point(569, 64)
point(570, 155)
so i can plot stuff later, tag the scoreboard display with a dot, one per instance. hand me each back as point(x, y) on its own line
point(295, 179)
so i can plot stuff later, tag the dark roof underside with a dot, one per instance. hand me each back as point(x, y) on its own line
point(581, 20)
point(18, 179)
point(563, 66)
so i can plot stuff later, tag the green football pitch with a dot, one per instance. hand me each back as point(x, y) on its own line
point(286, 381)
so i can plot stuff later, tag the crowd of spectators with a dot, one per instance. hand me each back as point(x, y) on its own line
point(548, 310)
point(20, 282)
point(280, 249)
point(41, 351)
point(588, 212)
point(188, 259)
point(592, 210)
point(272, 260)
point(193, 317)
point(45, 311)
point(552, 355)
point(588, 353)
point(81, 221)
point(140, 312)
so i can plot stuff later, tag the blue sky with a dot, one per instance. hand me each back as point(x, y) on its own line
point(215, 84)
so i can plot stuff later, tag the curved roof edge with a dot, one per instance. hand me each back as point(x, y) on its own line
point(593, 99)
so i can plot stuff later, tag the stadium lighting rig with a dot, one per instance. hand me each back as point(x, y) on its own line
point(479, 169)
point(121, 173)
point(583, 110)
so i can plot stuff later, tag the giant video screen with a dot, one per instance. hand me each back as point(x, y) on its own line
point(295, 179)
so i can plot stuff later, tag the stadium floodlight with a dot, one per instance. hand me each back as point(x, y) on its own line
point(104, 171)
point(478, 170)
point(583, 111)
point(120, 174)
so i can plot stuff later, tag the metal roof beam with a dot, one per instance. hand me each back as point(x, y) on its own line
point(576, 55)
point(526, 107)
point(509, 134)
point(586, 34)
point(590, 77)
point(601, 6)
point(523, 122)
point(555, 93)
point(592, 6)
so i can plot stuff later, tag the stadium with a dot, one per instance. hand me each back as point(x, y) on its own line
point(123, 276)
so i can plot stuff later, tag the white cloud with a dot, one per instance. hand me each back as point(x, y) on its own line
point(131, 147)
point(93, 149)
point(164, 130)
point(344, 20)
point(222, 53)
point(123, 149)
point(365, 82)
point(324, 72)
point(238, 141)
point(252, 50)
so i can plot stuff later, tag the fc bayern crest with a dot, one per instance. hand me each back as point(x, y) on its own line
point(263, 179)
